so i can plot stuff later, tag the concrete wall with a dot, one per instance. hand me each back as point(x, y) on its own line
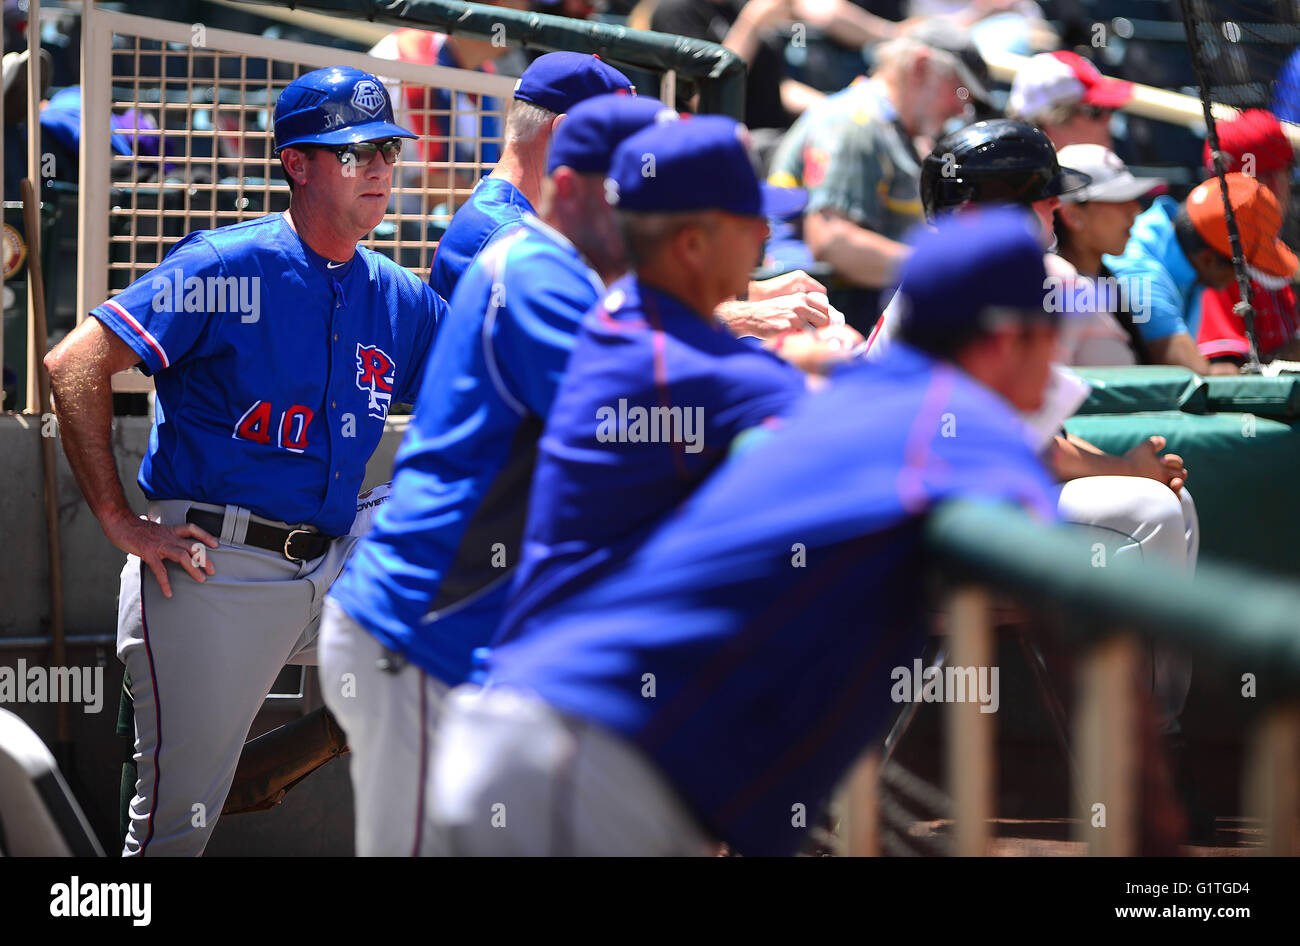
point(91, 564)
point(316, 817)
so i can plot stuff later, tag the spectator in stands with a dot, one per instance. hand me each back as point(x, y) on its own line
point(1176, 248)
point(1089, 223)
point(15, 116)
point(1064, 94)
point(135, 132)
point(1255, 144)
point(427, 110)
point(835, 34)
point(750, 29)
point(1015, 26)
point(857, 155)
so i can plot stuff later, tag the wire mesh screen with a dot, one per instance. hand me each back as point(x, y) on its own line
point(192, 142)
point(1244, 54)
point(1250, 52)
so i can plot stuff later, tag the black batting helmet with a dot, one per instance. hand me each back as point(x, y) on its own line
point(995, 162)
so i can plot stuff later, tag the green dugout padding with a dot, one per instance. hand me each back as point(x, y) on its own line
point(1240, 437)
point(1163, 388)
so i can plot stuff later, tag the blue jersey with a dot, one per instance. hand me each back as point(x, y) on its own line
point(495, 206)
point(1163, 293)
point(447, 540)
point(747, 647)
point(653, 397)
point(274, 368)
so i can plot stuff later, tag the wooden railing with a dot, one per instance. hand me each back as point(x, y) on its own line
point(1216, 614)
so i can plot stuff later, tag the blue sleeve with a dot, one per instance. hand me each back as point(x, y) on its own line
point(767, 387)
point(1163, 315)
point(163, 313)
point(537, 329)
point(429, 311)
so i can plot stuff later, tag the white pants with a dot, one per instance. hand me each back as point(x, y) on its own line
point(202, 663)
point(1127, 516)
point(390, 714)
point(512, 777)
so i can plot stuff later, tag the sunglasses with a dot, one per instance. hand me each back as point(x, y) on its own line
point(1095, 112)
point(363, 152)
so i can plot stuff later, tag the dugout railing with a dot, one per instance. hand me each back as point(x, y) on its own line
point(1220, 613)
point(210, 93)
point(714, 72)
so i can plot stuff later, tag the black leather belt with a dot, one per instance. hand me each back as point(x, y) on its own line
point(297, 545)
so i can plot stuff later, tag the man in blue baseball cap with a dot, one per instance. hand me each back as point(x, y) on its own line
point(548, 89)
point(657, 387)
point(276, 346)
point(742, 658)
point(428, 584)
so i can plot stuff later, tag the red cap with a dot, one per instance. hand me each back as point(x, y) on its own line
point(1099, 90)
point(1256, 132)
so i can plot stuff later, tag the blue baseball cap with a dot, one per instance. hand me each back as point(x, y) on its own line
point(334, 106)
point(989, 258)
point(699, 163)
point(589, 134)
point(559, 81)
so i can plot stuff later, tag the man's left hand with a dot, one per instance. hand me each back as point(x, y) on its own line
point(783, 285)
point(772, 317)
point(1147, 460)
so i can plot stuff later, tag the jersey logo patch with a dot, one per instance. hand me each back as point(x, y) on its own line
point(368, 97)
point(376, 373)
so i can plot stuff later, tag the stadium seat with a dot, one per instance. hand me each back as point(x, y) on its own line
point(39, 817)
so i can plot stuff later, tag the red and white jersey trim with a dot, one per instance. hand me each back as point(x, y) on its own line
point(143, 332)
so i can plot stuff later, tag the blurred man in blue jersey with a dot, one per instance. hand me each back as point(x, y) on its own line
point(657, 388)
point(429, 583)
point(742, 659)
point(552, 85)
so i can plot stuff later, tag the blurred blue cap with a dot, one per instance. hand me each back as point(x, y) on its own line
point(699, 163)
point(586, 139)
point(971, 262)
point(559, 81)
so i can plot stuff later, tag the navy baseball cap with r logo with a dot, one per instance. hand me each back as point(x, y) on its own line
point(698, 163)
point(334, 106)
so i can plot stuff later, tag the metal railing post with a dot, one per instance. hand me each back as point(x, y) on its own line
point(1105, 797)
point(1271, 788)
point(859, 807)
point(93, 177)
point(970, 733)
point(36, 347)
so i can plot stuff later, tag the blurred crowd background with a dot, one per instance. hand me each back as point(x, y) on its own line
point(804, 58)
